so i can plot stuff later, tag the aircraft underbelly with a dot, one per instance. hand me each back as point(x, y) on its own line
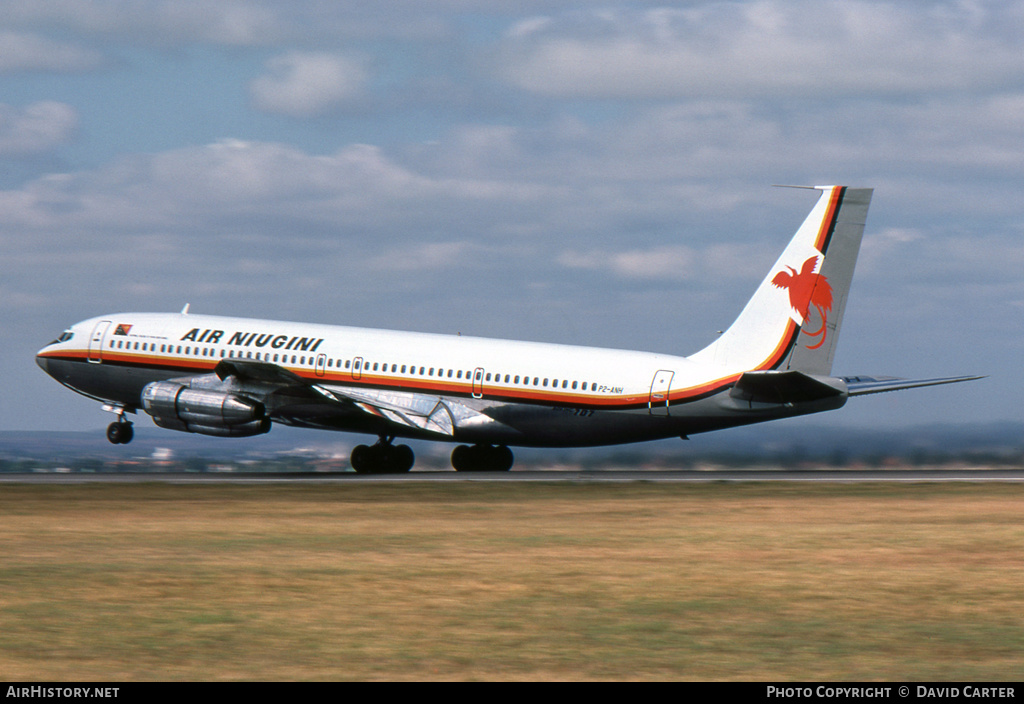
point(113, 383)
point(473, 421)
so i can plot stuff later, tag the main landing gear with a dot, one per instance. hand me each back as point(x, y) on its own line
point(382, 458)
point(385, 458)
point(482, 458)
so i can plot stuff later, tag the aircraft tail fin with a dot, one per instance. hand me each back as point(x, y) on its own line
point(793, 320)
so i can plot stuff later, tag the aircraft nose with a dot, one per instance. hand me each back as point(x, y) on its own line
point(43, 362)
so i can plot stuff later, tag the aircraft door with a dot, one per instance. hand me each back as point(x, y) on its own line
point(96, 341)
point(659, 393)
point(357, 371)
point(478, 382)
point(321, 364)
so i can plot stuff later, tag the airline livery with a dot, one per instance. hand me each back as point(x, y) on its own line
point(237, 377)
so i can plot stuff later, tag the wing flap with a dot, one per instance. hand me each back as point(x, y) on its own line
point(433, 414)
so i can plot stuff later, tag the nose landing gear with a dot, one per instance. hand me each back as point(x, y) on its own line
point(120, 432)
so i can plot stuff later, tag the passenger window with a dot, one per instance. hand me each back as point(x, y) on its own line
point(574, 386)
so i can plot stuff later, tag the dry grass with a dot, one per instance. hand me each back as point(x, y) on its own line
point(498, 581)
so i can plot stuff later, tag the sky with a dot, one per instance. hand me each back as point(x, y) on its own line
point(563, 171)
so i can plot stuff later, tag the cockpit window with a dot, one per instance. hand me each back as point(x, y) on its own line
point(64, 337)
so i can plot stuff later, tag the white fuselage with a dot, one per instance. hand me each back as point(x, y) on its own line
point(514, 393)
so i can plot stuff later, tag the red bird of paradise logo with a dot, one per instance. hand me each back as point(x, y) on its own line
point(807, 289)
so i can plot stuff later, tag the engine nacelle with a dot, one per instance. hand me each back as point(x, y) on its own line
point(178, 407)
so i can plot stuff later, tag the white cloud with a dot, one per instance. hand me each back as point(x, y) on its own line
point(303, 84)
point(667, 262)
point(229, 22)
point(434, 256)
point(35, 128)
point(162, 22)
point(769, 48)
point(708, 264)
point(31, 52)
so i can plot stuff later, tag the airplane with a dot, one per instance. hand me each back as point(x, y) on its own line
point(237, 377)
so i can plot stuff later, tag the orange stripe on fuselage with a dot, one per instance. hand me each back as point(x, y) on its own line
point(190, 365)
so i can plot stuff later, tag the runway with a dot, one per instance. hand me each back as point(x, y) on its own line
point(827, 476)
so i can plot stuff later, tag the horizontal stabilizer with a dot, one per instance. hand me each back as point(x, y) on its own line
point(859, 385)
point(784, 387)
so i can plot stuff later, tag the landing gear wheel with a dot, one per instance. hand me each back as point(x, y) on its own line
point(482, 458)
point(120, 433)
point(359, 458)
point(403, 459)
point(382, 458)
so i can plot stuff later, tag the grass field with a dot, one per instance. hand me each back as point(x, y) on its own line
point(512, 581)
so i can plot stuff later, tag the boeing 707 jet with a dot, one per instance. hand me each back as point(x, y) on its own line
point(237, 377)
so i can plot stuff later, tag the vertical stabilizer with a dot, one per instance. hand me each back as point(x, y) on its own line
point(793, 320)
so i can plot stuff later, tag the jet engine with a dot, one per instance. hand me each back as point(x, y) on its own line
point(179, 407)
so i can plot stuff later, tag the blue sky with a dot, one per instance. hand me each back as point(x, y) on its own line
point(566, 171)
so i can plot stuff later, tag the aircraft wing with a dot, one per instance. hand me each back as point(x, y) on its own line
point(427, 412)
point(859, 385)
